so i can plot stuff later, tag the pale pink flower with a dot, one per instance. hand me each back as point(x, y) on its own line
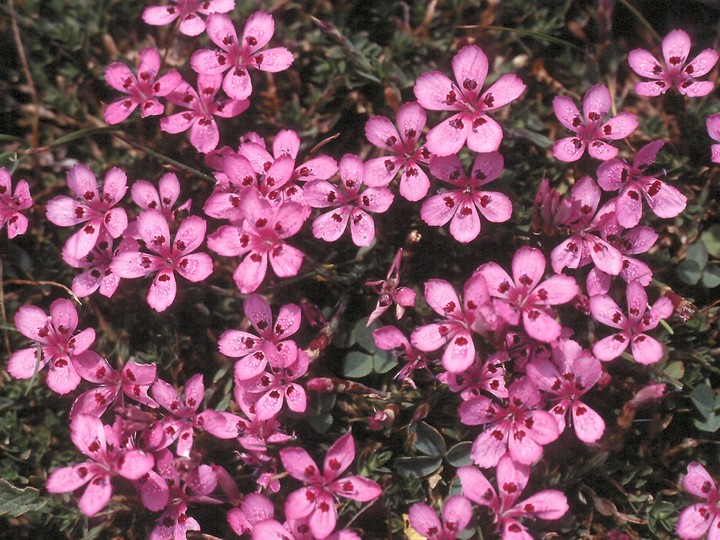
point(701, 517)
point(435, 91)
point(460, 205)
point(90, 207)
point(571, 374)
point(632, 328)
point(520, 429)
point(316, 501)
point(55, 343)
point(511, 479)
point(254, 509)
point(456, 515)
point(261, 238)
point(713, 127)
point(166, 258)
point(162, 198)
point(12, 205)
point(675, 72)
point(349, 202)
point(591, 129)
point(202, 109)
point(390, 293)
point(142, 90)
point(634, 185)
point(406, 153)
point(525, 295)
point(109, 458)
point(239, 56)
point(187, 12)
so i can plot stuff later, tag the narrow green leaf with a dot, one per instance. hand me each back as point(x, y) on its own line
point(16, 502)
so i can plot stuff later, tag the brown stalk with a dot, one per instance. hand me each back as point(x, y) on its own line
point(35, 139)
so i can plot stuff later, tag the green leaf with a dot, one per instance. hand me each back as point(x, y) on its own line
point(363, 335)
point(417, 467)
point(357, 364)
point(428, 440)
point(710, 424)
point(459, 454)
point(689, 272)
point(703, 398)
point(383, 361)
point(711, 276)
point(711, 239)
point(15, 501)
point(675, 370)
point(698, 254)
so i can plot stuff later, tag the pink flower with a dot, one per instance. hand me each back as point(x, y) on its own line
point(238, 56)
point(675, 71)
point(254, 509)
point(166, 259)
point(274, 388)
point(482, 376)
point(348, 203)
point(460, 206)
point(188, 12)
point(180, 425)
point(525, 295)
point(90, 207)
point(459, 321)
point(571, 374)
point(109, 457)
point(390, 292)
point(390, 338)
point(511, 480)
point(457, 513)
point(713, 128)
point(408, 154)
point(435, 91)
point(55, 343)
point(202, 109)
point(162, 198)
point(590, 129)
point(702, 517)
point(260, 238)
point(12, 205)
point(520, 429)
point(316, 501)
point(666, 201)
point(645, 349)
point(142, 90)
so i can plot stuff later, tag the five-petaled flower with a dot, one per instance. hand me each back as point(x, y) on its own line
point(390, 292)
point(316, 501)
point(436, 92)
point(187, 12)
point(12, 205)
point(456, 515)
point(675, 72)
point(591, 129)
point(701, 517)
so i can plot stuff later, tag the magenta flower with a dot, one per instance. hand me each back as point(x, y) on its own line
point(511, 480)
point(457, 513)
point(254, 509)
point(436, 92)
point(348, 203)
point(166, 259)
point(274, 388)
point(578, 214)
point(645, 349)
point(390, 338)
point(98, 274)
point(187, 12)
point(238, 56)
point(390, 292)
point(202, 109)
point(11, 205)
point(407, 154)
point(459, 321)
point(675, 71)
point(713, 128)
point(260, 238)
point(571, 374)
point(109, 458)
point(90, 207)
point(162, 198)
point(55, 343)
point(666, 201)
point(520, 429)
point(179, 426)
point(590, 129)
point(524, 295)
point(460, 205)
point(142, 90)
point(316, 501)
point(702, 517)
point(482, 376)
